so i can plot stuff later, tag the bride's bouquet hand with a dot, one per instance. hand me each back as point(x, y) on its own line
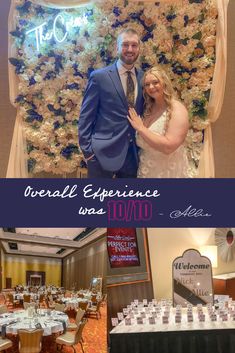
point(135, 120)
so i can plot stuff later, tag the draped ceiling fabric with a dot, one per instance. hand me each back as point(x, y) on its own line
point(17, 165)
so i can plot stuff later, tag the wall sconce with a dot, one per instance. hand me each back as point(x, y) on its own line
point(210, 251)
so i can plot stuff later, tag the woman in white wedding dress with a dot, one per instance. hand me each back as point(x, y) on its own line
point(162, 131)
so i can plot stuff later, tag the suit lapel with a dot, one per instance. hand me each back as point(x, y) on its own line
point(113, 73)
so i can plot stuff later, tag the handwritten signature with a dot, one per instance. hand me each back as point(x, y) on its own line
point(189, 212)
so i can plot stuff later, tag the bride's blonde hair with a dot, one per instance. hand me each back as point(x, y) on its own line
point(168, 91)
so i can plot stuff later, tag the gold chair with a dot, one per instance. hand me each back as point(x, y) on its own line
point(30, 341)
point(70, 339)
point(83, 305)
point(74, 325)
point(3, 309)
point(11, 301)
point(5, 343)
point(94, 309)
point(26, 298)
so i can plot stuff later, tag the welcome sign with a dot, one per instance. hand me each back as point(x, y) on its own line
point(192, 279)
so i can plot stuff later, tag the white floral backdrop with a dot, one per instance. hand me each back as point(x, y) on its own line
point(52, 73)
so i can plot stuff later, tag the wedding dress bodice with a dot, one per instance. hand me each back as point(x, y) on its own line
point(155, 164)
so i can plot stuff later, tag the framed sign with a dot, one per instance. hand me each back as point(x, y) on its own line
point(122, 247)
point(128, 262)
point(192, 279)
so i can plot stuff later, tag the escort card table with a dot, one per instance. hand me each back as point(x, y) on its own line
point(51, 322)
point(171, 337)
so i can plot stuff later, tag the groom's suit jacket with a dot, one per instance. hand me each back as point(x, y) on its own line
point(104, 129)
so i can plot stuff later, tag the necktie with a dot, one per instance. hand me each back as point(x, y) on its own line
point(130, 89)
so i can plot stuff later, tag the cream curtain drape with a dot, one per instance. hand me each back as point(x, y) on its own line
point(206, 164)
point(17, 165)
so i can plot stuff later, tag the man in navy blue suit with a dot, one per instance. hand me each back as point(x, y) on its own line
point(106, 137)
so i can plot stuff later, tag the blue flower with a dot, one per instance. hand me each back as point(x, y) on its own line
point(145, 66)
point(23, 22)
point(20, 98)
point(170, 17)
point(40, 11)
point(31, 164)
point(56, 125)
point(19, 65)
point(24, 8)
point(33, 115)
point(117, 12)
point(146, 37)
point(195, 1)
point(32, 81)
point(89, 13)
point(69, 150)
point(186, 20)
point(49, 75)
point(73, 86)
point(162, 59)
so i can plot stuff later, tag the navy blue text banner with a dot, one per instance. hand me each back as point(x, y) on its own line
point(117, 203)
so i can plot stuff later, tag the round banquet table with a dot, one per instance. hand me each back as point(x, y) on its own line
point(51, 322)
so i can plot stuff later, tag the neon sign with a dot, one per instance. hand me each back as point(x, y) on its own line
point(42, 36)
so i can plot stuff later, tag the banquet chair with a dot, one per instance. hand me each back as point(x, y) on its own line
point(42, 300)
point(59, 307)
point(5, 343)
point(94, 309)
point(11, 301)
point(3, 309)
point(74, 325)
point(83, 305)
point(26, 298)
point(30, 341)
point(70, 339)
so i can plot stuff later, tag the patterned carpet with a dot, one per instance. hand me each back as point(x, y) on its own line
point(94, 335)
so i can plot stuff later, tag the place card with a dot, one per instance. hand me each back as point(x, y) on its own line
point(178, 319)
point(136, 301)
point(114, 321)
point(145, 302)
point(202, 318)
point(213, 317)
point(128, 321)
point(165, 319)
point(139, 320)
point(152, 320)
point(125, 311)
point(120, 316)
point(154, 314)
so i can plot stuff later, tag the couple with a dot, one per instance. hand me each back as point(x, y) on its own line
point(124, 108)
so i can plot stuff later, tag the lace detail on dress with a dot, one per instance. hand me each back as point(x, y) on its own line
point(155, 164)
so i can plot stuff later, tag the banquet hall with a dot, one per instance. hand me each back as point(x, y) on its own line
point(53, 283)
point(216, 137)
point(152, 307)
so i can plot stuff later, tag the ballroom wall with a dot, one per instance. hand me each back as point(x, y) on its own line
point(166, 244)
point(82, 265)
point(16, 267)
point(223, 129)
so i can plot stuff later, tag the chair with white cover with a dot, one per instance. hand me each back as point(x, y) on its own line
point(5, 343)
point(59, 307)
point(3, 309)
point(94, 309)
point(30, 341)
point(70, 339)
point(74, 325)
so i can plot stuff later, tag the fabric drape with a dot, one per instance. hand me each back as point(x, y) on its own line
point(206, 165)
